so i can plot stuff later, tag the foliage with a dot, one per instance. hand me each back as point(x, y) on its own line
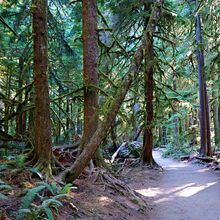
point(177, 151)
point(4, 188)
point(40, 201)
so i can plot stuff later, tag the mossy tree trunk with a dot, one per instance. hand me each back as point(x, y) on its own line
point(147, 156)
point(42, 136)
point(90, 72)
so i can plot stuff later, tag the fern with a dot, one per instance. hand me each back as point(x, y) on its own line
point(29, 197)
point(56, 188)
point(51, 203)
point(66, 189)
point(23, 212)
point(61, 196)
point(43, 211)
point(48, 186)
point(2, 182)
point(49, 213)
point(4, 167)
point(3, 197)
point(5, 186)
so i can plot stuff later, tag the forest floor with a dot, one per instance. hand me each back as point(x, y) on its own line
point(181, 191)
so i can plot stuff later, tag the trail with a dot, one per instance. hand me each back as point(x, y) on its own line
point(183, 191)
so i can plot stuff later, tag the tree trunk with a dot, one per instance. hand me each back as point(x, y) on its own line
point(42, 138)
point(216, 110)
point(147, 155)
point(21, 116)
point(90, 72)
point(175, 120)
point(90, 148)
point(202, 98)
point(136, 126)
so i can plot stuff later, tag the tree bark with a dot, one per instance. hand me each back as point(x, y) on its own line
point(90, 148)
point(21, 116)
point(90, 72)
point(216, 110)
point(42, 134)
point(175, 120)
point(147, 155)
point(205, 144)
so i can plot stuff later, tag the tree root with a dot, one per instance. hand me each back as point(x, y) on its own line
point(153, 165)
point(43, 166)
point(110, 181)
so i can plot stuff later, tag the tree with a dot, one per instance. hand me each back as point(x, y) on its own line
point(42, 133)
point(205, 148)
point(147, 156)
point(90, 148)
point(90, 69)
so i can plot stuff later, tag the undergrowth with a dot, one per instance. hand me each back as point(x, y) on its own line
point(43, 200)
point(177, 151)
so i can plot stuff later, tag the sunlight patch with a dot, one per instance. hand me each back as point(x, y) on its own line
point(105, 200)
point(149, 192)
point(202, 170)
point(190, 191)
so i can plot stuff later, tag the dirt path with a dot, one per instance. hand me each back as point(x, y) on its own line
point(183, 191)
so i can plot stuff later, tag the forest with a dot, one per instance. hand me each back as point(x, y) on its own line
point(98, 97)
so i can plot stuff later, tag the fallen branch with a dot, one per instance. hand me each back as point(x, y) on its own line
point(117, 151)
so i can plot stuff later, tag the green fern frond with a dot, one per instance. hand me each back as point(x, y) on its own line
point(61, 196)
point(3, 197)
point(66, 189)
point(52, 203)
point(47, 185)
point(5, 186)
point(49, 213)
point(55, 188)
point(4, 167)
point(2, 182)
point(29, 197)
point(24, 213)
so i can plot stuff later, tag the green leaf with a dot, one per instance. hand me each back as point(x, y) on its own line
point(24, 212)
point(61, 196)
point(2, 182)
point(29, 197)
point(50, 202)
point(48, 186)
point(66, 189)
point(49, 213)
point(56, 188)
point(5, 187)
point(3, 197)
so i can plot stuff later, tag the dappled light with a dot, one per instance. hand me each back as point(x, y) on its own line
point(103, 200)
point(186, 190)
point(110, 109)
point(182, 186)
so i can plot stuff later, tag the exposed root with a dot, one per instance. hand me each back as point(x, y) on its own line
point(44, 167)
point(57, 164)
point(108, 180)
point(153, 165)
point(31, 158)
